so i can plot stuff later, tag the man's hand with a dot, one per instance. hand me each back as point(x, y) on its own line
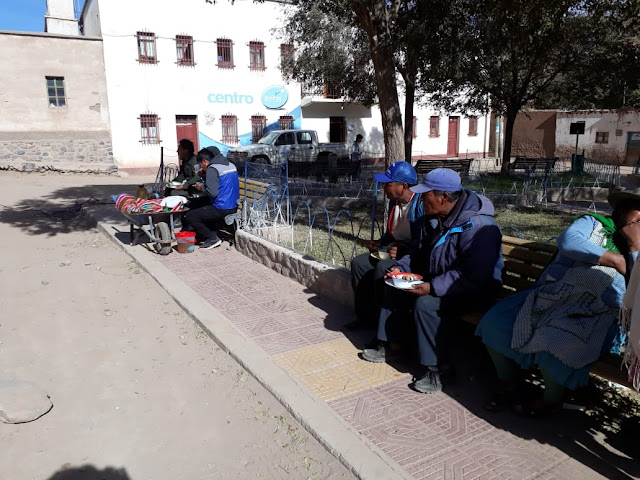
point(198, 186)
point(180, 187)
point(392, 270)
point(372, 245)
point(420, 289)
point(393, 250)
point(615, 260)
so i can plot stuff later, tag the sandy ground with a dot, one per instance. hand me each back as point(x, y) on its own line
point(139, 391)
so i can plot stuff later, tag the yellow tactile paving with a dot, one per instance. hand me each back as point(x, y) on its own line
point(333, 369)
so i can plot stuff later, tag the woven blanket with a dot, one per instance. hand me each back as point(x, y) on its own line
point(567, 318)
point(129, 204)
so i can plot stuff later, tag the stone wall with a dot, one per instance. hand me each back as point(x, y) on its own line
point(65, 152)
point(325, 280)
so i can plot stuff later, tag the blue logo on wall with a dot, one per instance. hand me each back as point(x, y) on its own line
point(275, 97)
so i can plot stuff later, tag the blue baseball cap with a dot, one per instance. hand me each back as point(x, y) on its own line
point(440, 179)
point(401, 172)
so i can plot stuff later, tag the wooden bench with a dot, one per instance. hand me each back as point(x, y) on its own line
point(460, 165)
point(524, 262)
point(531, 165)
point(252, 192)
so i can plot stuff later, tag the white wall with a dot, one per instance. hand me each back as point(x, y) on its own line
point(91, 19)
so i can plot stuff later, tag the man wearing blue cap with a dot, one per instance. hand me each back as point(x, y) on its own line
point(367, 276)
point(458, 253)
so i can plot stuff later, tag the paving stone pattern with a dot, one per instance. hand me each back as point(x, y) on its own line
point(430, 436)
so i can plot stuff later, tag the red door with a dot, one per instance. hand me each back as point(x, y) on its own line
point(453, 136)
point(187, 127)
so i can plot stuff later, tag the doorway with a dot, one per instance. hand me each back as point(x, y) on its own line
point(187, 127)
point(633, 149)
point(337, 129)
point(453, 137)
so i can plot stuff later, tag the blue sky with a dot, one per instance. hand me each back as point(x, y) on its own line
point(24, 15)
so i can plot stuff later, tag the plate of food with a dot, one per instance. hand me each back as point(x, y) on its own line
point(378, 255)
point(174, 184)
point(403, 280)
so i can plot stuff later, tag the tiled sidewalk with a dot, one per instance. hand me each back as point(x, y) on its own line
point(430, 436)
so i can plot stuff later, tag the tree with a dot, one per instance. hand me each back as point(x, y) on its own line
point(507, 54)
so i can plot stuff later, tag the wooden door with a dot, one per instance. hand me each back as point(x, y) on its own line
point(337, 129)
point(187, 127)
point(453, 136)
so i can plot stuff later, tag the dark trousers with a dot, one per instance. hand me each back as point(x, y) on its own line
point(367, 280)
point(431, 330)
point(203, 221)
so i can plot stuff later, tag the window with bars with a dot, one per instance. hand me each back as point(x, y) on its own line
point(602, 137)
point(225, 53)
point(434, 126)
point(473, 126)
point(229, 128)
point(56, 91)
point(184, 50)
point(256, 56)
point(149, 131)
point(147, 47)
point(286, 57)
point(286, 122)
point(258, 124)
point(414, 127)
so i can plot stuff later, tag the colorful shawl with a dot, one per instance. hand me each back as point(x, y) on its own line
point(129, 204)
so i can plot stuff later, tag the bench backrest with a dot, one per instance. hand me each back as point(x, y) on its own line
point(252, 190)
point(460, 165)
point(531, 163)
point(524, 262)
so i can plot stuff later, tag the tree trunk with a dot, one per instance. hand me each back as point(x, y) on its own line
point(410, 91)
point(374, 21)
point(510, 120)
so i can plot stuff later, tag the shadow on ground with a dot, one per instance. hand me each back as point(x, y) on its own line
point(89, 472)
point(61, 211)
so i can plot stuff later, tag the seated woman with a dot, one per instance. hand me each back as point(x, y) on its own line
point(570, 317)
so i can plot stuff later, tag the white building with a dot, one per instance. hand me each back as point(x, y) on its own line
point(211, 73)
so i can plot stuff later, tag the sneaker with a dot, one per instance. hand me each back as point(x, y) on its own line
point(380, 354)
point(429, 383)
point(211, 244)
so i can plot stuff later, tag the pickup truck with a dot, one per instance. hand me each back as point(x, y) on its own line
point(297, 146)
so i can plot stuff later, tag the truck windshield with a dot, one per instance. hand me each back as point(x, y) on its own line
point(268, 139)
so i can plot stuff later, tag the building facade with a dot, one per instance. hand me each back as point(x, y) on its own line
point(211, 73)
point(53, 103)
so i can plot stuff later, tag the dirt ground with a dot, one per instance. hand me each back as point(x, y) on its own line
point(139, 391)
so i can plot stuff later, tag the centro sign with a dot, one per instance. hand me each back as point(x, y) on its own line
point(275, 97)
point(229, 98)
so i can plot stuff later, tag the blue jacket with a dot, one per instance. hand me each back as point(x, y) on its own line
point(461, 255)
point(222, 183)
point(416, 211)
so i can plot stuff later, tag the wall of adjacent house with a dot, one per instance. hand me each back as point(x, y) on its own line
point(34, 133)
point(534, 134)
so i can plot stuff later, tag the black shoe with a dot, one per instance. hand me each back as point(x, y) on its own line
point(375, 355)
point(429, 383)
point(211, 244)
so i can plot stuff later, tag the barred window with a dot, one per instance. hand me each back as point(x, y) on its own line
point(229, 128)
point(256, 56)
point(225, 53)
point(414, 127)
point(184, 50)
point(258, 124)
point(473, 126)
point(602, 137)
point(434, 126)
point(286, 122)
point(149, 131)
point(56, 91)
point(146, 47)
point(286, 57)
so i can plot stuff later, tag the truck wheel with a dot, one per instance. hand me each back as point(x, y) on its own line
point(260, 160)
point(163, 247)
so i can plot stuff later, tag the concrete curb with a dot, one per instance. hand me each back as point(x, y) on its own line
point(356, 452)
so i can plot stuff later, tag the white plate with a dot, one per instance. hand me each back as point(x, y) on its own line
point(381, 255)
point(408, 286)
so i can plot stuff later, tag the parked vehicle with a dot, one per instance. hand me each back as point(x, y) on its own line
point(296, 146)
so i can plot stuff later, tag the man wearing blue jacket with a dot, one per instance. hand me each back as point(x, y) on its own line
point(405, 208)
point(458, 253)
point(221, 184)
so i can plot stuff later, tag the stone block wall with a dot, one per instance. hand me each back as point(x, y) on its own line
point(89, 152)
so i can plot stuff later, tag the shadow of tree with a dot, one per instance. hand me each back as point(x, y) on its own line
point(89, 472)
point(61, 211)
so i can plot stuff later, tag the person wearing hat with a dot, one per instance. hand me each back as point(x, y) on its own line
point(563, 323)
point(367, 273)
point(457, 250)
